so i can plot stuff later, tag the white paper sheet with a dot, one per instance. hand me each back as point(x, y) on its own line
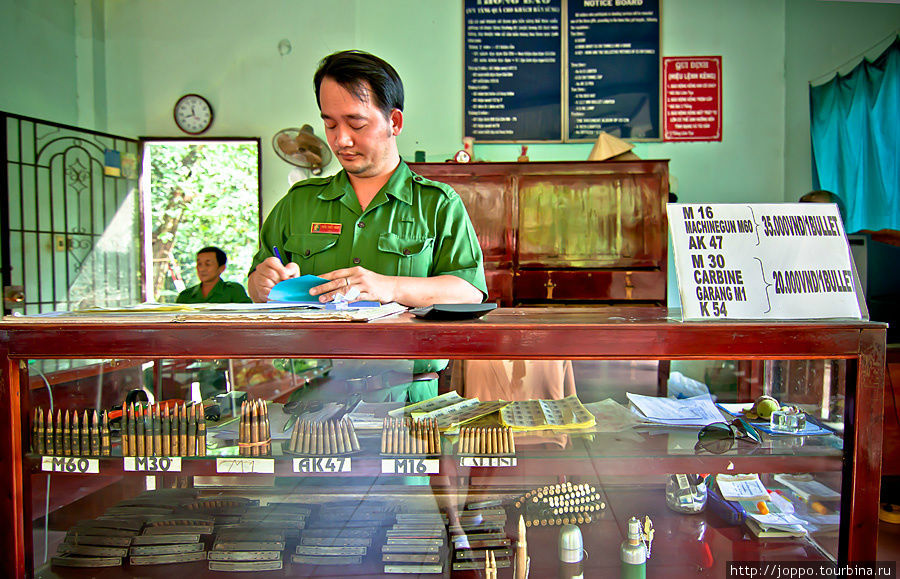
point(741, 487)
point(695, 411)
point(782, 521)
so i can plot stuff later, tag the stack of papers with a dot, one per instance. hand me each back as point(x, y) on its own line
point(741, 487)
point(749, 491)
point(450, 410)
point(775, 525)
point(807, 488)
point(694, 411)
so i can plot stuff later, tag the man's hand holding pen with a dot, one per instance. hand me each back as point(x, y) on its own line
point(266, 275)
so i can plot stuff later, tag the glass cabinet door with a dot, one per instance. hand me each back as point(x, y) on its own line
point(366, 467)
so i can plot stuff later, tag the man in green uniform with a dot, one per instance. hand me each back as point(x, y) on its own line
point(212, 289)
point(375, 227)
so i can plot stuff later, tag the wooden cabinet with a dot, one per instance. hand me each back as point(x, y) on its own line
point(567, 232)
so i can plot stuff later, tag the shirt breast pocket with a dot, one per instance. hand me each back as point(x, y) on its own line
point(407, 256)
point(309, 251)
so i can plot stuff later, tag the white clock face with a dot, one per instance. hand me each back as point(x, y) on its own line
point(193, 114)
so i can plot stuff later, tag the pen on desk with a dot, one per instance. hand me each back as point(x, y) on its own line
point(277, 254)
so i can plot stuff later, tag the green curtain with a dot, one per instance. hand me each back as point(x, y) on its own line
point(855, 131)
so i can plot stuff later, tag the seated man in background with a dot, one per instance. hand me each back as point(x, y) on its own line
point(212, 289)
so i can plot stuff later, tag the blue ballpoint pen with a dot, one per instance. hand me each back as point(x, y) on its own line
point(277, 254)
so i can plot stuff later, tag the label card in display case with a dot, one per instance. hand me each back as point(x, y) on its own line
point(152, 463)
point(245, 465)
point(494, 461)
point(410, 466)
point(70, 464)
point(311, 464)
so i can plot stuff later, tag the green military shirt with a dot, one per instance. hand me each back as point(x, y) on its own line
point(224, 292)
point(413, 227)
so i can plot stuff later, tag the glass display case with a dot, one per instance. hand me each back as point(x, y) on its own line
point(201, 444)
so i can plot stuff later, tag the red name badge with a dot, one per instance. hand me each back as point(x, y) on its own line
point(325, 228)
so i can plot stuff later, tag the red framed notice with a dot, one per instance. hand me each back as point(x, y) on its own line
point(692, 98)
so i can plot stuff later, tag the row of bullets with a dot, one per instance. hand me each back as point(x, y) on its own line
point(408, 436)
point(154, 430)
point(323, 438)
point(565, 489)
point(570, 519)
point(561, 504)
point(71, 435)
point(490, 440)
point(255, 439)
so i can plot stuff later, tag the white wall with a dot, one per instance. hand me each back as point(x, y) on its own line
point(37, 40)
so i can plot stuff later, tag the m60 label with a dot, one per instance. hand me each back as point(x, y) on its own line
point(70, 464)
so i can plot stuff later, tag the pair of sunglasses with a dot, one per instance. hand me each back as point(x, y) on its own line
point(720, 437)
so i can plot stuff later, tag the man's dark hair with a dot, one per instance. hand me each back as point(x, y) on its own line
point(221, 258)
point(825, 196)
point(353, 69)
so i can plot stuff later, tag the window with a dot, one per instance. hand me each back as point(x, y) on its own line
point(198, 193)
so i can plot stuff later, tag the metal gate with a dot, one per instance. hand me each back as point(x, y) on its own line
point(70, 226)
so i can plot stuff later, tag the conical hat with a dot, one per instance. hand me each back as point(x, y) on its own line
point(607, 146)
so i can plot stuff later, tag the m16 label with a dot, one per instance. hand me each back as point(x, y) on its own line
point(312, 464)
point(152, 463)
point(410, 466)
point(70, 464)
point(245, 465)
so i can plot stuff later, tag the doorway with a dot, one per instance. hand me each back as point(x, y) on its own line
point(198, 193)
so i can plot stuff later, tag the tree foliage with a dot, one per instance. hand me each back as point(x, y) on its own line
point(202, 194)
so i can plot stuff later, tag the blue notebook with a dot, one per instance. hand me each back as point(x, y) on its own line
point(296, 289)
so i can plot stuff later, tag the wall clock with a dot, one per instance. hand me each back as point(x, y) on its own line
point(193, 114)
point(462, 156)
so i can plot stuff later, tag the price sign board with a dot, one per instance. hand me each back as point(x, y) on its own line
point(763, 261)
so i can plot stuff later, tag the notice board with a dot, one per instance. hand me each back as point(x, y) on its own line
point(561, 70)
point(513, 70)
point(692, 98)
point(613, 72)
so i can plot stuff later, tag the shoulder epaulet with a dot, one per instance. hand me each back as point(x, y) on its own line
point(447, 190)
point(313, 182)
